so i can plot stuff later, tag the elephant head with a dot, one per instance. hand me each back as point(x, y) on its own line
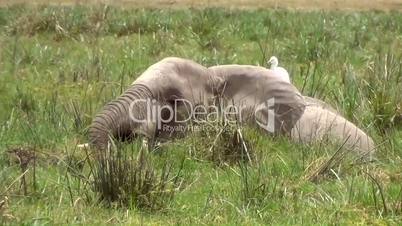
point(140, 109)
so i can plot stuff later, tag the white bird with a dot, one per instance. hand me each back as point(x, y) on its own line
point(273, 61)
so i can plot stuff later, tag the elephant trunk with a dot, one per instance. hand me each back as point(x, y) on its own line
point(115, 121)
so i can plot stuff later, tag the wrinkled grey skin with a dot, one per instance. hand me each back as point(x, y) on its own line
point(321, 122)
point(176, 78)
point(252, 86)
point(305, 119)
point(311, 101)
point(167, 80)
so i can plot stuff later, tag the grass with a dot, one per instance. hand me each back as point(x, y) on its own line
point(60, 65)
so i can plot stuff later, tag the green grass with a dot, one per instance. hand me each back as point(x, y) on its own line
point(60, 65)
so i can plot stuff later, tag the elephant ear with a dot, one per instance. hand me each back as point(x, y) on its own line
point(276, 117)
point(216, 84)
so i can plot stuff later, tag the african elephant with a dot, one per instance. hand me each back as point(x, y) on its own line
point(261, 92)
point(174, 79)
point(305, 119)
point(139, 109)
point(249, 88)
point(320, 121)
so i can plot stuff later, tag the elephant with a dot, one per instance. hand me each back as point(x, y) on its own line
point(260, 92)
point(320, 121)
point(139, 109)
point(172, 79)
point(305, 119)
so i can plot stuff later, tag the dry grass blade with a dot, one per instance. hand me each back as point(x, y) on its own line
point(16, 179)
point(316, 171)
point(3, 204)
point(380, 189)
point(23, 157)
point(4, 212)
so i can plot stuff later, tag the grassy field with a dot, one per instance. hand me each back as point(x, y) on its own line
point(383, 5)
point(60, 65)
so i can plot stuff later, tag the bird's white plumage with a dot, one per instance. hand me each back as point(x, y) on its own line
point(273, 61)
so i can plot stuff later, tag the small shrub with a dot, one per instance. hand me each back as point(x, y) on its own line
point(122, 179)
point(382, 89)
point(222, 144)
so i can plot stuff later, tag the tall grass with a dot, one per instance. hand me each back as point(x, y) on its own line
point(60, 65)
point(130, 180)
